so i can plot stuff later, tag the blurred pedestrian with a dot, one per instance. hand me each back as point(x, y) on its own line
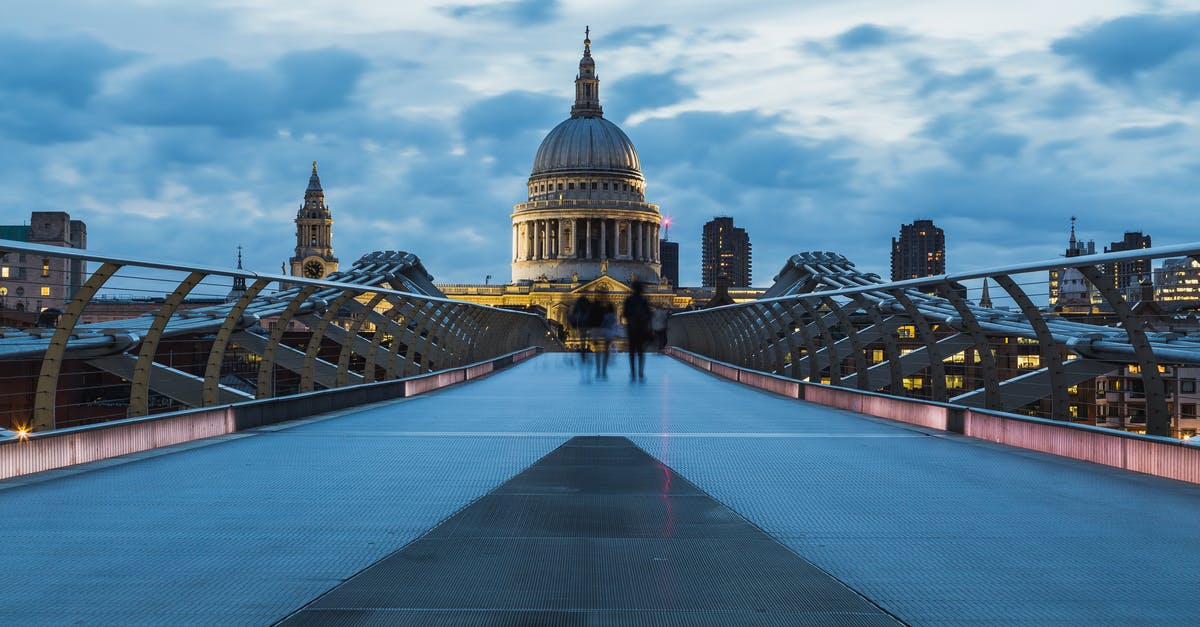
point(605, 332)
point(638, 330)
point(580, 318)
point(659, 324)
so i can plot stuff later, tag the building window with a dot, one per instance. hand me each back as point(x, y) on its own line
point(1029, 361)
point(906, 332)
point(913, 383)
point(954, 381)
point(45, 290)
point(606, 186)
point(45, 267)
point(560, 187)
point(1187, 386)
point(570, 186)
point(593, 185)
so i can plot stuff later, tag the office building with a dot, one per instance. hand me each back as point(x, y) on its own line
point(725, 251)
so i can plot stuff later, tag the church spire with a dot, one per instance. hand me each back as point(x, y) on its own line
point(239, 282)
point(985, 300)
point(587, 85)
point(1072, 240)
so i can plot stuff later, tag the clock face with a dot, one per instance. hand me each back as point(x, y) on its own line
point(314, 269)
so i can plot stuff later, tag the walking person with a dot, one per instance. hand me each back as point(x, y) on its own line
point(607, 329)
point(659, 325)
point(580, 318)
point(638, 330)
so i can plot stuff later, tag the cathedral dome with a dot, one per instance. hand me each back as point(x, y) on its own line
point(589, 144)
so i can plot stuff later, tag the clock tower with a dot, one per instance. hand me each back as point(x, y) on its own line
point(314, 234)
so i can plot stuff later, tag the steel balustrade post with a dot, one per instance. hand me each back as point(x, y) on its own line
point(787, 322)
point(421, 325)
point(1060, 399)
point(991, 376)
point(714, 337)
point(139, 391)
point(266, 367)
point(744, 336)
point(406, 365)
point(446, 338)
point(47, 386)
point(764, 349)
point(832, 358)
point(451, 338)
point(1158, 419)
point(847, 325)
point(937, 369)
point(810, 342)
point(318, 334)
point(735, 346)
point(891, 349)
point(347, 348)
point(391, 317)
point(216, 355)
point(776, 330)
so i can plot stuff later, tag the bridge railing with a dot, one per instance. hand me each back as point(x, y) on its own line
point(1105, 353)
point(86, 338)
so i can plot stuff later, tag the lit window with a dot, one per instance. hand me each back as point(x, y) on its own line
point(45, 267)
point(907, 331)
point(954, 381)
point(4, 272)
point(877, 355)
point(45, 290)
point(913, 383)
point(1029, 361)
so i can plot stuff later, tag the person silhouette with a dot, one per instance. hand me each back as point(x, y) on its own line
point(638, 330)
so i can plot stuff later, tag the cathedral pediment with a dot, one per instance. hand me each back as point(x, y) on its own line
point(602, 285)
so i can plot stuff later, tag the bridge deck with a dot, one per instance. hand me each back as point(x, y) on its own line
point(930, 527)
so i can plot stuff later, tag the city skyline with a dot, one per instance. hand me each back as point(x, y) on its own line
point(149, 121)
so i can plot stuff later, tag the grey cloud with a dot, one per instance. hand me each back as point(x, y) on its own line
point(932, 82)
point(972, 140)
point(213, 93)
point(639, 92)
point(633, 36)
point(1148, 132)
point(866, 36)
point(1066, 101)
point(521, 12)
point(67, 69)
point(1160, 51)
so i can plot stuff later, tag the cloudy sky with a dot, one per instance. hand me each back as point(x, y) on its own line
point(178, 130)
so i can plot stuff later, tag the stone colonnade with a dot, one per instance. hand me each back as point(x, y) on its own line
point(586, 238)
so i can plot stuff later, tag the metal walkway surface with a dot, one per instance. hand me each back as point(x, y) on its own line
point(931, 527)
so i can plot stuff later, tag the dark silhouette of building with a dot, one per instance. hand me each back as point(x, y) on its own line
point(1127, 273)
point(920, 251)
point(669, 254)
point(725, 252)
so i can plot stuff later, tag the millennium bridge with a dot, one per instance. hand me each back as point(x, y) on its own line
point(362, 450)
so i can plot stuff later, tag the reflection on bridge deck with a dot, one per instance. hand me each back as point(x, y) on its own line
point(931, 527)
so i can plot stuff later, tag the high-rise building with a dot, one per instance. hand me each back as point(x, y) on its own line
point(1132, 272)
point(314, 234)
point(725, 251)
point(1069, 291)
point(1179, 282)
point(669, 252)
point(920, 251)
point(30, 282)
